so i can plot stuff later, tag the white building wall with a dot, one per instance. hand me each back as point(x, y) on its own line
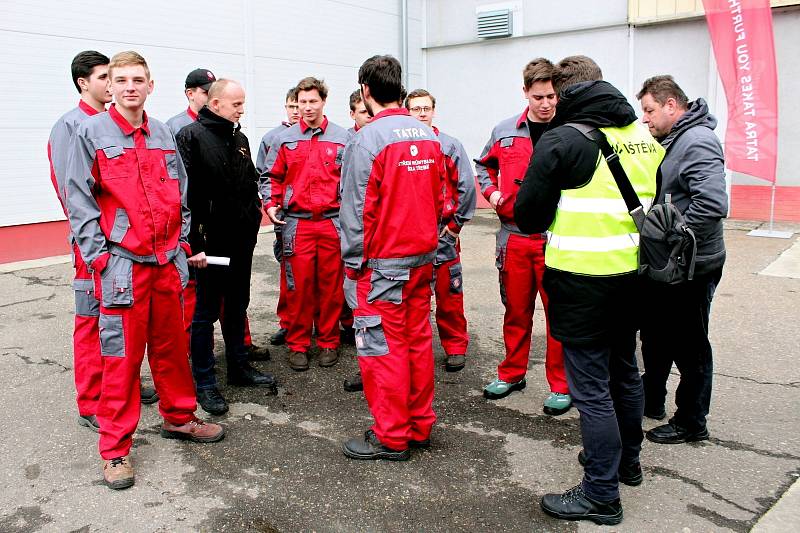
point(268, 45)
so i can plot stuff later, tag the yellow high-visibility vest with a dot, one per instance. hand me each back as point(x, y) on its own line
point(593, 233)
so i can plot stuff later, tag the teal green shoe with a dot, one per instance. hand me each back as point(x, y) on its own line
point(557, 404)
point(500, 389)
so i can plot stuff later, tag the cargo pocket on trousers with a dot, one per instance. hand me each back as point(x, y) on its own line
point(117, 282)
point(350, 292)
point(456, 279)
point(85, 302)
point(112, 336)
point(289, 275)
point(386, 285)
point(370, 339)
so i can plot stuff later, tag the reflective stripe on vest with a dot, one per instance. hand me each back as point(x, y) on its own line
point(592, 232)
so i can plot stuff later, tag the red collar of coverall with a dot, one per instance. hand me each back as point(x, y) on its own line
point(305, 127)
point(391, 111)
point(123, 123)
point(86, 108)
point(523, 119)
point(192, 114)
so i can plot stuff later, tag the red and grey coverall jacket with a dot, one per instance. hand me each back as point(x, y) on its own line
point(126, 197)
point(181, 120)
point(59, 143)
point(459, 194)
point(264, 181)
point(392, 194)
point(503, 163)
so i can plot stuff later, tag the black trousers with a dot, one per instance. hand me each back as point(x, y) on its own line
point(216, 284)
point(606, 389)
point(675, 329)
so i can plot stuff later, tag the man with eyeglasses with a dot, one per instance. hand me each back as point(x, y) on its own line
point(459, 205)
point(265, 189)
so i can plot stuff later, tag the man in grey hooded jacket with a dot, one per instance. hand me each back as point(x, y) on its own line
point(676, 325)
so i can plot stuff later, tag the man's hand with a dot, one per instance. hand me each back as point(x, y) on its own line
point(494, 199)
point(272, 214)
point(198, 261)
point(448, 230)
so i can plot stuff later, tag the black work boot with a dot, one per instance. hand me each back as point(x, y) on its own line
point(673, 433)
point(247, 376)
point(354, 384)
point(369, 447)
point(279, 337)
point(212, 401)
point(574, 504)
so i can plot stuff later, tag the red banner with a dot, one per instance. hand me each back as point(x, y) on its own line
point(744, 47)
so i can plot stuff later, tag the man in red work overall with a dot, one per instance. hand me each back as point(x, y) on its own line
point(392, 181)
point(304, 164)
point(520, 256)
point(126, 202)
point(459, 205)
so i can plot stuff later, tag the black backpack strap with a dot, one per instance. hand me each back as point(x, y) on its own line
point(632, 201)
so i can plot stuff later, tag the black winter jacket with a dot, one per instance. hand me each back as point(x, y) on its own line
point(583, 310)
point(223, 186)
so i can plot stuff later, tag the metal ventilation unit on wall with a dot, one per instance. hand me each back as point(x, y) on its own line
point(496, 23)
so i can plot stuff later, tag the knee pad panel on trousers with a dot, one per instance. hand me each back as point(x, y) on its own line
point(370, 338)
point(112, 335)
point(85, 302)
point(387, 284)
point(456, 279)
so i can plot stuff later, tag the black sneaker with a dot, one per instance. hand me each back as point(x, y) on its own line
point(673, 433)
point(369, 447)
point(354, 384)
point(149, 394)
point(630, 474)
point(279, 337)
point(258, 353)
point(247, 376)
point(574, 504)
point(212, 401)
point(89, 421)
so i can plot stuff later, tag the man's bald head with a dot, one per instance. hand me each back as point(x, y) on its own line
point(226, 99)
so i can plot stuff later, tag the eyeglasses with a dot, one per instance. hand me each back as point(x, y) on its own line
point(421, 109)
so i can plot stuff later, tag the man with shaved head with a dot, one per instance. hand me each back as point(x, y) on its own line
point(226, 214)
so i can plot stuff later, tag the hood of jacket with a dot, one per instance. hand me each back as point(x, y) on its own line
point(696, 115)
point(218, 124)
point(595, 103)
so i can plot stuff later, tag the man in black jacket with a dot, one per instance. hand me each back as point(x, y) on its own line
point(226, 214)
point(591, 278)
point(693, 174)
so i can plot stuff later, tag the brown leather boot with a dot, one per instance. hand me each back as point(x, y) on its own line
point(194, 430)
point(118, 473)
point(298, 361)
point(328, 357)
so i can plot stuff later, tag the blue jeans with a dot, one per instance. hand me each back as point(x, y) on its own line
point(606, 389)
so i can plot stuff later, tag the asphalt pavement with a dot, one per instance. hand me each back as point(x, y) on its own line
point(280, 467)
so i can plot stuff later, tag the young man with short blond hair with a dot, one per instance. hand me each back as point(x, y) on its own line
point(126, 202)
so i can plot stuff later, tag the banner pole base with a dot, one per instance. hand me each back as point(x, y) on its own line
point(770, 233)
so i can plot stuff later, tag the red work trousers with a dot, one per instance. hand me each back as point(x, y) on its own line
point(86, 339)
point(450, 319)
point(521, 272)
point(155, 319)
point(311, 277)
point(395, 348)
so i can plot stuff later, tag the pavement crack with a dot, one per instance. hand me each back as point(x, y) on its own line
point(52, 281)
point(741, 447)
point(42, 298)
point(45, 361)
point(741, 526)
point(666, 472)
point(791, 384)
